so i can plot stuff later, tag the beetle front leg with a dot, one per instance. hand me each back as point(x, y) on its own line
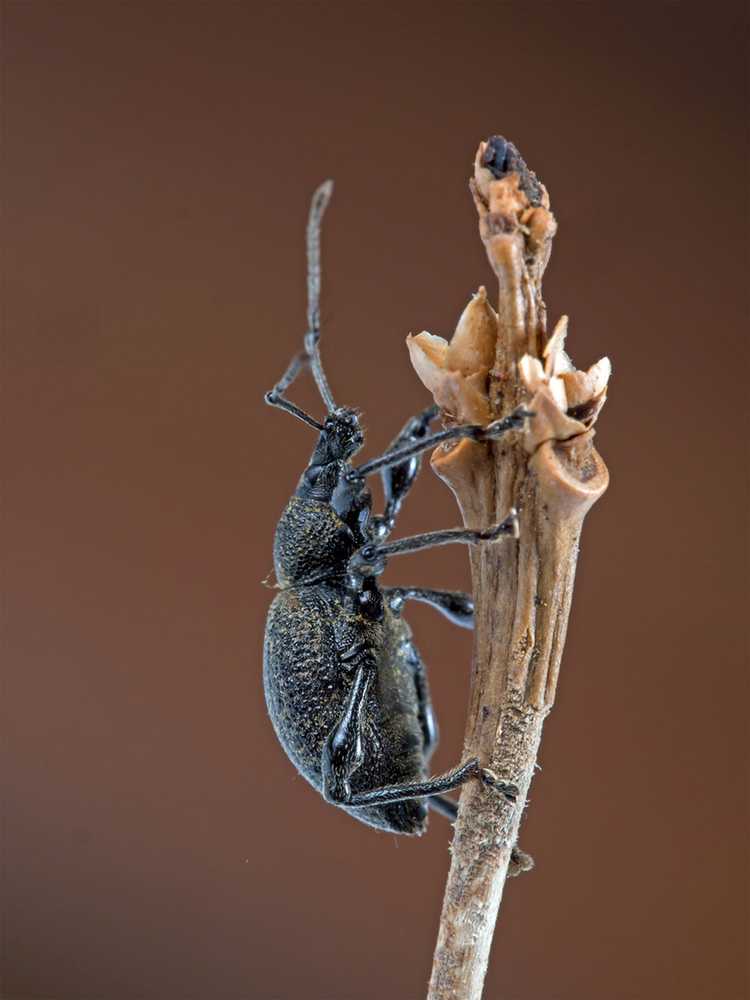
point(477, 432)
point(399, 479)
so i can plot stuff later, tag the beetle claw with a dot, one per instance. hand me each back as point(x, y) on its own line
point(508, 791)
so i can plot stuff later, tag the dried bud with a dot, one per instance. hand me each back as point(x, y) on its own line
point(456, 372)
point(566, 401)
point(472, 347)
point(497, 158)
point(497, 361)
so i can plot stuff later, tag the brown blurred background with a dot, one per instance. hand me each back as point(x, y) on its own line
point(159, 159)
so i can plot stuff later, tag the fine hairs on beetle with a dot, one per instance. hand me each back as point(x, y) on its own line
point(345, 685)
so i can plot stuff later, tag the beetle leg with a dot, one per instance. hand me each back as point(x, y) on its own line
point(398, 479)
point(431, 786)
point(520, 861)
point(427, 721)
point(343, 752)
point(477, 432)
point(456, 606)
point(370, 559)
point(446, 807)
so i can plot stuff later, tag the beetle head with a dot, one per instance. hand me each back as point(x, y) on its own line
point(343, 434)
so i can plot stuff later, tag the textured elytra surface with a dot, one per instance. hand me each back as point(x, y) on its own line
point(306, 686)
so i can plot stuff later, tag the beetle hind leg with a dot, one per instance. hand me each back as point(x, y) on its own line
point(343, 754)
point(415, 789)
point(427, 719)
point(445, 807)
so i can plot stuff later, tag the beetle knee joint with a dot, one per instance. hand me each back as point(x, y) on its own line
point(337, 793)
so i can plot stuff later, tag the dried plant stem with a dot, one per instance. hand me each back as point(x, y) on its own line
point(552, 475)
point(522, 604)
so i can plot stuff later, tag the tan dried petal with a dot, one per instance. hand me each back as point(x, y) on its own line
point(556, 360)
point(427, 354)
point(472, 347)
point(531, 372)
point(577, 387)
point(447, 392)
point(464, 400)
point(534, 378)
point(549, 421)
point(557, 390)
point(584, 387)
point(475, 406)
point(482, 175)
point(506, 197)
point(599, 374)
point(541, 224)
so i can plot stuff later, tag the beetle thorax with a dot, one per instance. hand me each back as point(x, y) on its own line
point(312, 543)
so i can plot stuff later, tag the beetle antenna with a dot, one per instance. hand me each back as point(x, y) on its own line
point(317, 208)
point(275, 397)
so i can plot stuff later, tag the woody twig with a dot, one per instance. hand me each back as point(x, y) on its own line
point(552, 474)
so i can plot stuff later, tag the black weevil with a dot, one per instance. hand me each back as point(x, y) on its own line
point(345, 686)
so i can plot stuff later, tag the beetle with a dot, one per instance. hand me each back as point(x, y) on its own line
point(345, 685)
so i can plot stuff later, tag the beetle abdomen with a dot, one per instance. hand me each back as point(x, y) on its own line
point(307, 686)
point(304, 691)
